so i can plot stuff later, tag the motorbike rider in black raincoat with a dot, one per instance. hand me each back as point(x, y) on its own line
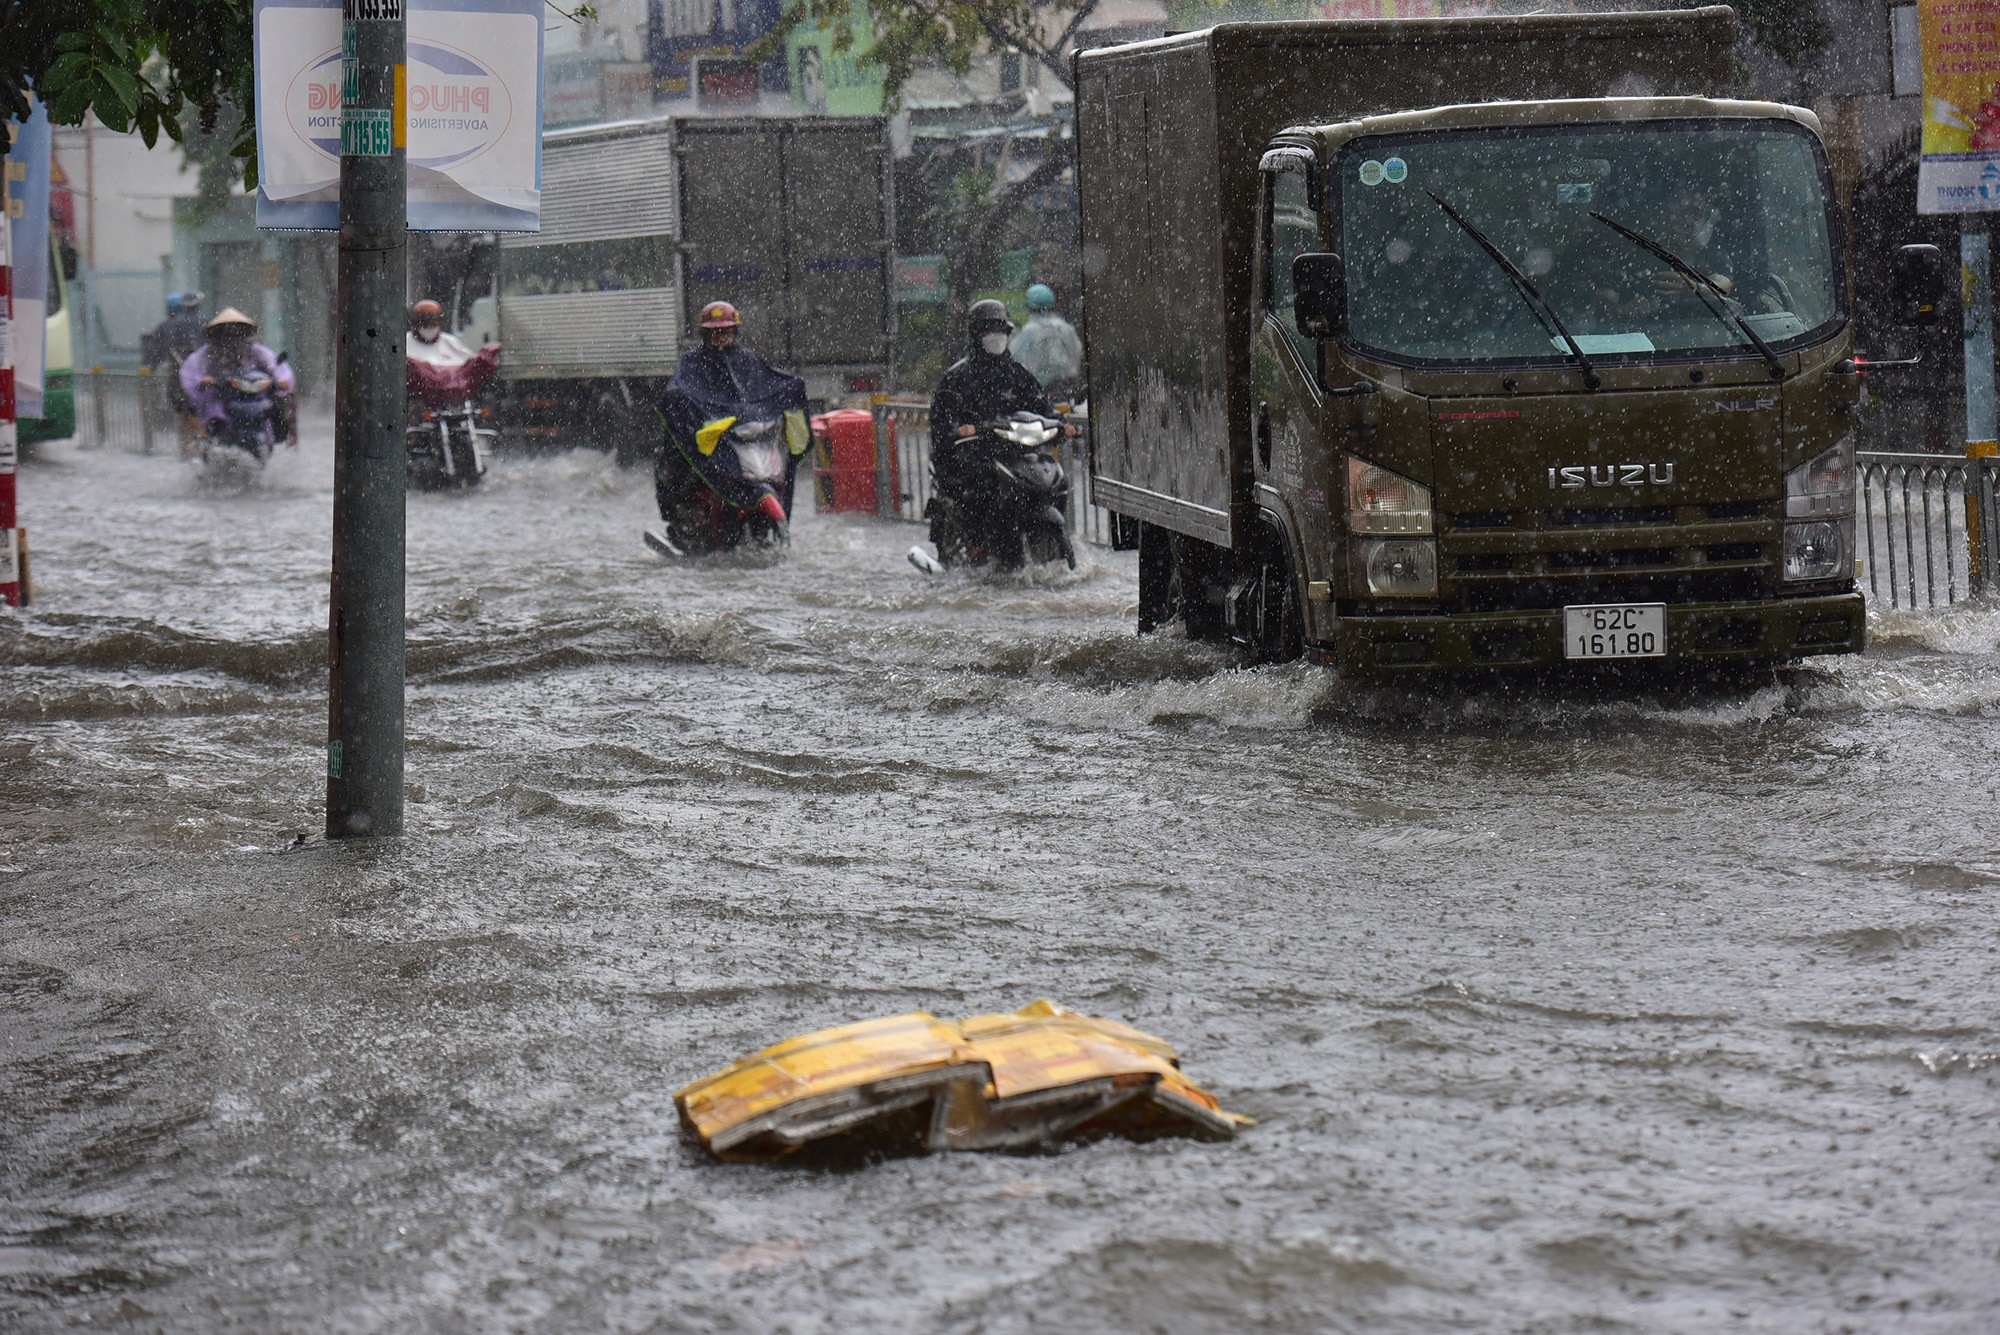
point(162, 349)
point(985, 384)
point(174, 339)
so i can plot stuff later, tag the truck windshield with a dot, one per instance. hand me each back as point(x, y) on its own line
point(1742, 202)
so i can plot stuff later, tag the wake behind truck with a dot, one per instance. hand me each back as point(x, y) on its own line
point(1460, 343)
point(644, 222)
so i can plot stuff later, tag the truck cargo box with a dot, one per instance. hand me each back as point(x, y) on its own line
point(1169, 134)
point(789, 218)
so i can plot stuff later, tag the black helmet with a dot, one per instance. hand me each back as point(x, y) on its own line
point(989, 316)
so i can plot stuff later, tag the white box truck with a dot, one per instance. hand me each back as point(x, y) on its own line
point(643, 222)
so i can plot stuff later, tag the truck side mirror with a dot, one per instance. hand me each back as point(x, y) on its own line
point(1918, 287)
point(1315, 293)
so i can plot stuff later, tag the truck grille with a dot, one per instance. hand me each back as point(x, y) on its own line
point(1596, 560)
point(1526, 560)
point(1613, 516)
point(1522, 595)
point(1630, 514)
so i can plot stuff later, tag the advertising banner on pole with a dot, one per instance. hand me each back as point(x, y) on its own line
point(1958, 170)
point(473, 101)
point(27, 166)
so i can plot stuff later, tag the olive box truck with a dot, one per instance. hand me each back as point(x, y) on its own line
point(1461, 343)
point(643, 222)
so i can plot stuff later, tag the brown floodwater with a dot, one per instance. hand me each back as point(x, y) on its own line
point(1634, 1008)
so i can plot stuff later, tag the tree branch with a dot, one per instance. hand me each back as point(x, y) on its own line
point(979, 239)
point(998, 25)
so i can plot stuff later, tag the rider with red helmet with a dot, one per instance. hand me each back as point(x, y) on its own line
point(719, 323)
point(427, 340)
point(721, 378)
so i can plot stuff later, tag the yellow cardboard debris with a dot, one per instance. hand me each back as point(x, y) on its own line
point(1036, 1076)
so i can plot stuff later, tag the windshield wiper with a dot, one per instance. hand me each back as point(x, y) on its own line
point(1702, 284)
point(1538, 302)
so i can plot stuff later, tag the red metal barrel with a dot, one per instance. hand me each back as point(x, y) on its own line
point(844, 453)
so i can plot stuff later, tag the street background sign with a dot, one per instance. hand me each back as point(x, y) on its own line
point(1959, 170)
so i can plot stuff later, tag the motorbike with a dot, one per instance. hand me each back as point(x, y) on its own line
point(734, 489)
point(1004, 498)
point(444, 432)
point(255, 415)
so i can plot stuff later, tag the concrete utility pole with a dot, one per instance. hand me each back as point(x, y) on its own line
point(364, 759)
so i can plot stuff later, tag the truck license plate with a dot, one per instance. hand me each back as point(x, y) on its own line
point(1615, 630)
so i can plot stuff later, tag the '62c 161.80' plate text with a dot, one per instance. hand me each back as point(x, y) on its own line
point(1615, 630)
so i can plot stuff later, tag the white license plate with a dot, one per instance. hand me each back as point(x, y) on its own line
point(1615, 630)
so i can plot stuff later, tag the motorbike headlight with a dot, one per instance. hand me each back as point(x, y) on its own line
point(1822, 485)
point(1820, 548)
point(1379, 501)
point(1400, 567)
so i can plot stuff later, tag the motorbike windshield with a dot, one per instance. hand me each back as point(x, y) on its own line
point(1743, 202)
point(756, 453)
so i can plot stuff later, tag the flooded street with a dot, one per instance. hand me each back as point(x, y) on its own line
point(1557, 1011)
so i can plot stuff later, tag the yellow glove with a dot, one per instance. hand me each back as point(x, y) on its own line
point(709, 436)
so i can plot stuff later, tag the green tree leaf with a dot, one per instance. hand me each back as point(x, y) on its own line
point(106, 102)
point(68, 106)
point(70, 66)
point(115, 40)
point(123, 84)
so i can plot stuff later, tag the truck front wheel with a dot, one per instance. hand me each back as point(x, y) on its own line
point(1278, 631)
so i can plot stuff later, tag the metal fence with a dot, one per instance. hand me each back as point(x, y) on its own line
point(904, 484)
point(1929, 528)
point(119, 409)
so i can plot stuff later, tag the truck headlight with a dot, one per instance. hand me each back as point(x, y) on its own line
point(1379, 501)
point(1400, 567)
point(1819, 548)
point(1822, 485)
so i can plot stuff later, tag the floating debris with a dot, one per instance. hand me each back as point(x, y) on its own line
point(1037, 1076)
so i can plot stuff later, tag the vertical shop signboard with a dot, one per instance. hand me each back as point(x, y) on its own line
point(1958, 170)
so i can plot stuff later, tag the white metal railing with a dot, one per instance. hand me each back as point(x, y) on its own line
point(903, 479)
point(1928, 531)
